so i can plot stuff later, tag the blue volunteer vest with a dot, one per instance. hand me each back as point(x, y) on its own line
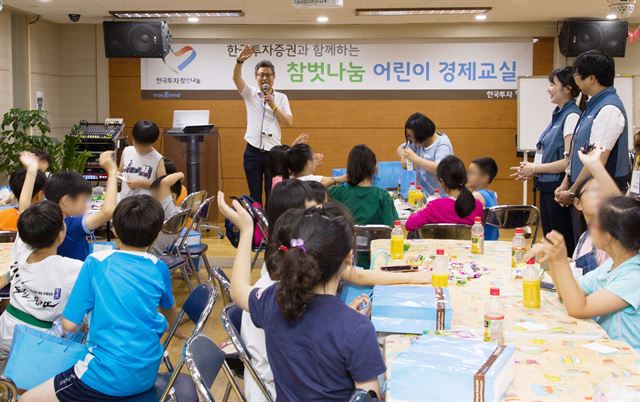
point(551, 141)
point(617, 164)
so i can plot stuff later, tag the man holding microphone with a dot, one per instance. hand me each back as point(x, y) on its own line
point(267, 111)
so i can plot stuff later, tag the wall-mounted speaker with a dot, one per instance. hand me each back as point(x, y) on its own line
point(142, 39)
point(579, 36)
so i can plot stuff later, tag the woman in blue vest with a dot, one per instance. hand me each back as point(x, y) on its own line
point(551, 160)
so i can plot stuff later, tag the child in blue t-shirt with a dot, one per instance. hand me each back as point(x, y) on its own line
point(318, 347)
point(122, 290)
point(610, 293)
point(480, 175)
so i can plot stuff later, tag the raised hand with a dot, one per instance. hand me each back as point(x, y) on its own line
point(235, 213)
point(29, 160)
point(246, 53)
point(107, 162)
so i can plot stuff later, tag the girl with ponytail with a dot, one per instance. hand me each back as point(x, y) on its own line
point(460, 206)
point(318, 348)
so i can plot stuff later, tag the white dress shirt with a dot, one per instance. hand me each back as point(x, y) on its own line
point(269, 125)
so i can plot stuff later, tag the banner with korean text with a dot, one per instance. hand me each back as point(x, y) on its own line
point(348, 70)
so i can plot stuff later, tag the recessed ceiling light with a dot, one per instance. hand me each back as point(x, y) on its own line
point(536, 40)
point(612, 16)
point(386, 12)
point(322, 19)
point(193, 19)
point(480, 17)
point(177, 14)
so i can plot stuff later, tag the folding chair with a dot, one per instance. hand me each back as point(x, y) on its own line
point(231, 318)
point(8, 390)
point(365, 234)
point(260, 219)
point(203, 360)
point(8, 236)
point(514, 216)
point(164, 245)
point(197, 307)
point(454, 231)
point(193, 201)
point(197, 251)
point(223, 284)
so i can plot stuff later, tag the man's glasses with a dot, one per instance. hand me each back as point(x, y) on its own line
point(269, 76)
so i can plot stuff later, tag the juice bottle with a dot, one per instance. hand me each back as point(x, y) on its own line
point(517, 248)
point(477, 237)
point(419, 197)
point(397, 241)
point(531, 285)
point(440, 274)
point(411, 199)
point(494, 318)
point(434, 196)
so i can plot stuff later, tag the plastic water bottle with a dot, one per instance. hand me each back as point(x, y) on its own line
point(517, 248)
point(494, 318)
point(440, 274)
point(531, 285)
point(397, 241)
point(412, 193)
point(419, 197)
point(477, 237)
point(409, 166)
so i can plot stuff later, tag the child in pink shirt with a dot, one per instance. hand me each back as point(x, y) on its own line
point(459, 207)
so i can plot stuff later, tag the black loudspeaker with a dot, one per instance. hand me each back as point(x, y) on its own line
point(143, 39)
point(579, 36)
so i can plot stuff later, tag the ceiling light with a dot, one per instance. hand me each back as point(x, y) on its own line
point(536, 40)
point(177, 14)
point(612, 16)
point(480, 17)
point(420, 11)
point(322, 19)
point(193, 19)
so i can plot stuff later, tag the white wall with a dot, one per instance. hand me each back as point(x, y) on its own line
point(63, 67)
point(6, 80)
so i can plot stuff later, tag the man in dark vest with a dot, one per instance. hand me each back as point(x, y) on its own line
point(604, 124)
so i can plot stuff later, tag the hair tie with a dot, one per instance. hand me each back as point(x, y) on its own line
point(284, 249)
point(299, 243)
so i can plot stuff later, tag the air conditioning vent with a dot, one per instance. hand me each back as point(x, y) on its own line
point(318, 3)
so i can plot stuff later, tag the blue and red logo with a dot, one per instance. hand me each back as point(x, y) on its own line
point(184, 63)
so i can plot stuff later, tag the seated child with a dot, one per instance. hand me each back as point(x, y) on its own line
point(609, 294)
point(165, 190)
point(122, 289)
point(588, 201)
point(277, 167)
point(302, 163)
point(9, 216)
point(368, 204)
point(481, 173)
point(459, 207)
point(140, 163)
point(303, 309)
point(170, 168)
point(71, 191)
point(41, 280)
point(319, 192)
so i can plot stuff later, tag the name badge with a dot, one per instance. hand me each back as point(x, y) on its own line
point(538, 158)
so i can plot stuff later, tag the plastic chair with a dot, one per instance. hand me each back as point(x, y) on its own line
point(442, 231)
point(231, 318)
point(514, 216)
point(365, 234)
point(197, 307)
point(8, 390)
point(222, 282)
point(196, 251)
point(203, 359)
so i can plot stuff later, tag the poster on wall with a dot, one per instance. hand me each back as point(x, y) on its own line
point(346, 70)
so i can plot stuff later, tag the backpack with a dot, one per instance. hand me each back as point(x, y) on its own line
point(260, 230)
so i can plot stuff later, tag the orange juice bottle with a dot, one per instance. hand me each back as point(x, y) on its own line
point(440, 274)
point(411, 196)
point(397, 241)
point(531, 285)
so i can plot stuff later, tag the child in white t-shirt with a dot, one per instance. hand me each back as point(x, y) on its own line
point(41, 280)
point(165, 190)
point(140, 164)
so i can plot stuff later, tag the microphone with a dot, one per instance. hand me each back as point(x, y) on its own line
point(265, 89)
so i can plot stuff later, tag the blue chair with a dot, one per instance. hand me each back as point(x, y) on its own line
point(223, 284)
point(388, 175)
point(203, 359)
point(196, 252)
point(231, 318)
